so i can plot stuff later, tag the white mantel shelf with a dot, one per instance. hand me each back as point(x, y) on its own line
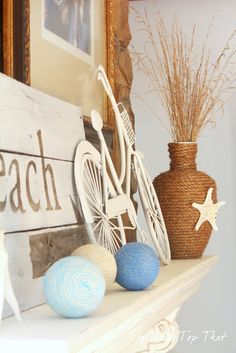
point(134, 322)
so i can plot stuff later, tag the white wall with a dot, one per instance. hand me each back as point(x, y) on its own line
point(214, 306)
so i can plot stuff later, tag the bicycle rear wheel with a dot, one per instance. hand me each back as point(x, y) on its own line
point(152, 211)
point(89, 184)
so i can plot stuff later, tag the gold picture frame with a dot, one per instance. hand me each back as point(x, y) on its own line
point(15, 37)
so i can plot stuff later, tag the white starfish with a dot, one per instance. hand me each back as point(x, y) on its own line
point(6, 290)
point(208, 210)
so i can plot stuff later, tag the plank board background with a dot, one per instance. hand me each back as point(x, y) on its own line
point(39, 134)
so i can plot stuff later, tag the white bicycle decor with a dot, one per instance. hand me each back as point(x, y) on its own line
point(104, 196)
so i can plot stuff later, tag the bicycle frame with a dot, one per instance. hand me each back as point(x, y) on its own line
point(126, 149)
point(124, 203)
point(121, 203)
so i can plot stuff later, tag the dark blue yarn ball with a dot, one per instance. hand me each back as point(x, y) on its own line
point(137, 266)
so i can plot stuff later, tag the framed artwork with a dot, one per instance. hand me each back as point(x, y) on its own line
point(70, 26)
point(67, 42)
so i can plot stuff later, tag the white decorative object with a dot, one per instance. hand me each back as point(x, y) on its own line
point(208, 210)
point(102, 258)
point(127, 322)
point(105, 196)
point(36, 179)
point(6, 290)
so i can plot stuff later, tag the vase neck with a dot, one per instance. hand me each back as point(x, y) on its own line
point(182, 156)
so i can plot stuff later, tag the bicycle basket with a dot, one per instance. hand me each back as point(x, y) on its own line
point(127, 123)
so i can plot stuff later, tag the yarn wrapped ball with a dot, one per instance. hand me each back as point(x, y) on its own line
point(137, 266)
point(74, 287)
point(103, 259)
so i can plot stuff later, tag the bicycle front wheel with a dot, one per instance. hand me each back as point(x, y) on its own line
point(89, 184)
point(152, 211)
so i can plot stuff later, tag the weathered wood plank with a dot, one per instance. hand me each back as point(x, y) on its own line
point(49, 246)
point(24, 111)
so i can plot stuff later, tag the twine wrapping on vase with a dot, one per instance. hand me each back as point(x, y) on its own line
point(177, 190)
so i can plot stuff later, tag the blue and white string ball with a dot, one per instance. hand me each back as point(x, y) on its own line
point(74, 287)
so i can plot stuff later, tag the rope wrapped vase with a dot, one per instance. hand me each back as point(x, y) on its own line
point(177, 190)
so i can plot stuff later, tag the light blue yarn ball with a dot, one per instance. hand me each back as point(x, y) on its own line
point(137, 266)
point(74, 287)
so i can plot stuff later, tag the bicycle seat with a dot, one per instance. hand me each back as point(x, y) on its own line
point(96, 119)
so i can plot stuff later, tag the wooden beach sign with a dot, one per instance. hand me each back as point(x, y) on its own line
point(38, 137)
